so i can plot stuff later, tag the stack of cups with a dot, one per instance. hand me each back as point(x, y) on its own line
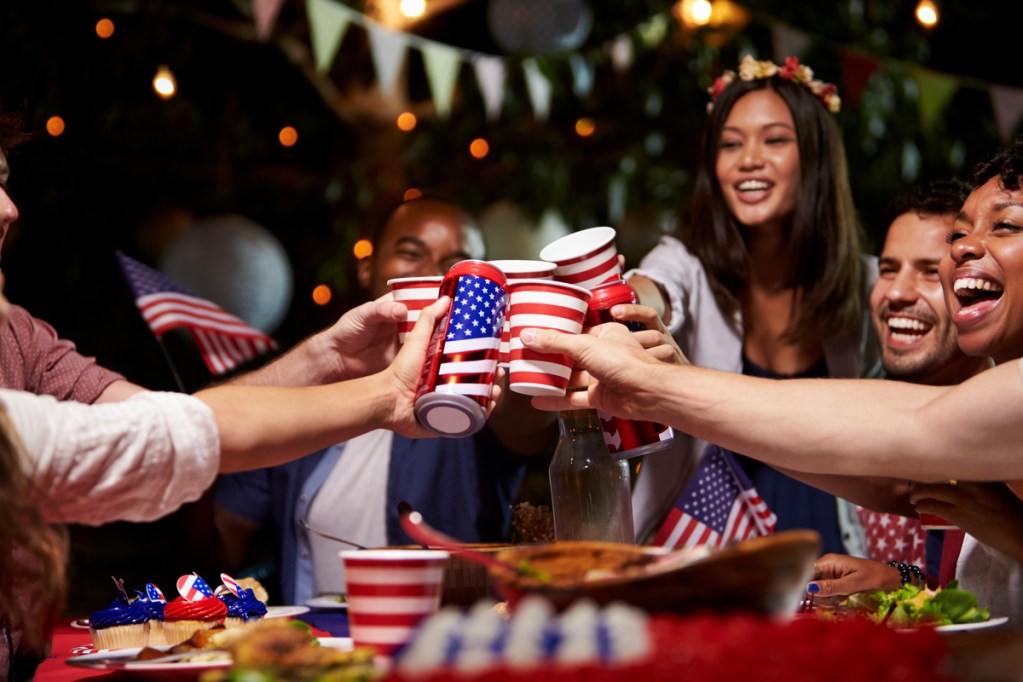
point(513, 270)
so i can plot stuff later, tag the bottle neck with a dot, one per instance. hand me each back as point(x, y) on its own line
point(578, 421)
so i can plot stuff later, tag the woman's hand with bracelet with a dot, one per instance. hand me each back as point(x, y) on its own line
point(839, 575)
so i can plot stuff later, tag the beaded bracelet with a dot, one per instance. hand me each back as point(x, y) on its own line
point(908, 572)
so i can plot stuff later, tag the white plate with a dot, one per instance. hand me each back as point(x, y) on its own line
point(961, 627)
point(285, 611)
point(120, 659)
point(327, 601)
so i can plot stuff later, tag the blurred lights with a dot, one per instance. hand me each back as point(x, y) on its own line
point(55, 126)
point(412, 193)
point(479, 148)
point(322, 294)
point(164, 83)
point(695, 12)
point(927, 14)
point(288, 136)
point(413, 9)
point(406, 121)
point(362, 249)
point(585, 126)
point(104, 28)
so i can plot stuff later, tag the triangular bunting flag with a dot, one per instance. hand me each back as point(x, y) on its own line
point(539, 89)
point(788, 41)
point(388, 50)
point(264, 13)
point(620, 50)
point(441, 63)
point(1008, 105)
point(582, 74)
point(490, 76)
point(328, 23)
point(936, 89)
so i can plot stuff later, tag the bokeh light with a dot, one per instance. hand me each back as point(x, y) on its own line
point(322, 294)
point(55, 126)
point(407, 121)
point(412, 193)
point(164, 83)
point(585, 126)
point(288, 136)
point(413, 9)
point(362, 249)
point(104, 28)
point(927, 13)
point(479, 148)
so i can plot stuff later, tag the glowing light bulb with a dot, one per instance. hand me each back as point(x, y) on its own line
point(288, 136)
point(479, 148)
point(406, 121)
point(104, 28)
point(322, 294)
point(55, 126)
point(412, 193)
point(413, 9)
point(164, 83)
point(585, 126)
point(927, 13)
point(697, 12)
point(362, 249)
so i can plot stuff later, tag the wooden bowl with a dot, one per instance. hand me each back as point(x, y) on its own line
point(766, 575)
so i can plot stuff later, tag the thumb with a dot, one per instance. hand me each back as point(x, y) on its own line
point(552, 341)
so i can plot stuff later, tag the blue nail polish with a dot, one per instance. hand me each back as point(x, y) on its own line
point(813, 588)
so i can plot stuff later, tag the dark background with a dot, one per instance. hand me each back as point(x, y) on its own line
point(132, 171)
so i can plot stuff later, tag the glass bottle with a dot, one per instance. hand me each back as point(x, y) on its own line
point(591, 492)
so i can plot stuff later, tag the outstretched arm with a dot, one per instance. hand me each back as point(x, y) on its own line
point(838, 426)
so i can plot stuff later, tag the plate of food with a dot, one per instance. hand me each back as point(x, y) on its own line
point(949, 609)
point(335, 602)
point(964, 627)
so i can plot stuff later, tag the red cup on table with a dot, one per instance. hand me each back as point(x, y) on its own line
point(389, 591)
point(415, 293)
point(586, 258)
point(542, 304)
point(513, 270)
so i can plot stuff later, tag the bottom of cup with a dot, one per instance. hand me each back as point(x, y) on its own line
point(526, 388)
point(450, 414)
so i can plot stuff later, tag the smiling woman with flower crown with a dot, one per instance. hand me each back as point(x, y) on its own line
point(767, 277)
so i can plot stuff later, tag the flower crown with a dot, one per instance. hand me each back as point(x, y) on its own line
point(801, 74)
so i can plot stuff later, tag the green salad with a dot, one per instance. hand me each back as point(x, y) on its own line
point(911, 606)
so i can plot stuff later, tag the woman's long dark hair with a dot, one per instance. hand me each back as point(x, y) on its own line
point(825, 269)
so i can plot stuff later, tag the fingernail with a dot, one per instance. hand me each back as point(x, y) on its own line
point(813, 588)
point(528, 335)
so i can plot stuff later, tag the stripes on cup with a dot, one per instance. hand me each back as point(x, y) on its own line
point(543, 304)
point(586, 258)
point(389, 592)
point(416, 293)
point(513, 270)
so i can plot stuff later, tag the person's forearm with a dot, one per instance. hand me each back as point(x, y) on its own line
point(878, 493)
point(263, 426)
point(300, 366)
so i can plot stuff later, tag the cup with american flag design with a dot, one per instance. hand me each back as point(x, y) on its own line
point(513, 270)
point(542, 304)
point(389, 591)
point(586, 258)
point(415, 293)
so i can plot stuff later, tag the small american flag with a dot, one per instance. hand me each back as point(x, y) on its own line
point(469, 354)
point(154, 593)
point(193, 588)
point(223, 340)
point(718, 506)
point(231, 584)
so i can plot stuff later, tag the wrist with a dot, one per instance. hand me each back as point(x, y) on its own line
point(909, 574)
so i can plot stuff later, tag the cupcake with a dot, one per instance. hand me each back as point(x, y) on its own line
point(154, 602)
point(124, 624)
point(195, 609)
point(241, 602)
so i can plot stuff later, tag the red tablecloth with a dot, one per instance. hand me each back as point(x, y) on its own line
point(70, 641)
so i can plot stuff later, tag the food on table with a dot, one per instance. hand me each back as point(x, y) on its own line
point(125, 623)
point(911, 606)
point(531, 524)
point(195, 609)
point(241, 602)
point(256, 587)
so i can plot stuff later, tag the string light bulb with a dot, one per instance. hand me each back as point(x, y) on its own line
point(104, 28)
point(164, 83)
point(362, 249)
point(927, 13)
point(55, 126)
point(322, 294)
point(479, 148)
point(287, 136)
point(695, 12)
point(413, 9)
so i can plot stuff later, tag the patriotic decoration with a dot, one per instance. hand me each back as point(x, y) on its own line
point(154, 593)
point(231, 584)
point(890, 537)
point(224, 341)
point(193, 588)
point(587, 258)
point(469, 354)
point(415, 293)
point(718, 506)
point(543, 305)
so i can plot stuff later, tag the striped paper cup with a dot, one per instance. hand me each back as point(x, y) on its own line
point(543, 304)
point(416, 293)
point(586, 258)
point(935, 522)
point(389, 591)
point(519, 269)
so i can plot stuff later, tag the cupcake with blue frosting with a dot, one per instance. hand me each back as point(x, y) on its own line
point(242, 604)
point(125, 623)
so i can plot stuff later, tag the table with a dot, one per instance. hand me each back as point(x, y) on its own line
point(72, 641)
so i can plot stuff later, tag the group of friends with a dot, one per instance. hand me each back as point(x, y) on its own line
point(901, 391)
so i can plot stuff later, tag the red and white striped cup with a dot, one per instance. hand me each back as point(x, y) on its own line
point(416, 293)
point(542, 304)
point(586, 258)
point(513, 270)
point(389, 591)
